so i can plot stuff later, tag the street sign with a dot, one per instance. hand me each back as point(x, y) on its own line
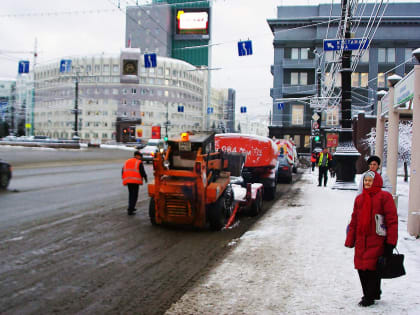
point(315, 116)
point(23, 66)
point(209, 110)
point(280, 106)
point(315, 125)
point(150, 60)
point(65, 65)
point(243, 109)
point(346, 44)
point(245, 48)
point(180, 109)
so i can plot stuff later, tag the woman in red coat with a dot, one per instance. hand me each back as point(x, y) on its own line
point(362, 235)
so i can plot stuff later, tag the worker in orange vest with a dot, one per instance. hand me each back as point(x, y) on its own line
point(132, 176)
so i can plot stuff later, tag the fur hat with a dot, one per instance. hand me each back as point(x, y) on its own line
point(369, 174)
point(374, 158)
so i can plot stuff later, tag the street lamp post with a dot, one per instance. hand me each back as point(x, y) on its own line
point(346, 153)
point(76, 106)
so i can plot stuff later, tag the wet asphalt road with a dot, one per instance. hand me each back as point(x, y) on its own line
point(67, 245)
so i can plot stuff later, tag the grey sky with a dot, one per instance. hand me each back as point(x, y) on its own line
point(95, 32)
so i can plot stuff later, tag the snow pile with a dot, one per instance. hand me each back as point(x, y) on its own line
point(294, 261)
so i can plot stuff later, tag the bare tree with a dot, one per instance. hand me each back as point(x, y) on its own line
point(404, 143)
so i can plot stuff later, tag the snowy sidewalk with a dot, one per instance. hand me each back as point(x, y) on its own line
point(294, 261)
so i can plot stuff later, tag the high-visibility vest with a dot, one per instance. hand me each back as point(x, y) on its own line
point(131, 174)
point(321, 157)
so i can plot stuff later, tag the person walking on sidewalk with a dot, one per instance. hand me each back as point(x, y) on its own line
point(313, 160)
point(132, 176)
point(362, 234)
point(374, 162)
point(323, 164)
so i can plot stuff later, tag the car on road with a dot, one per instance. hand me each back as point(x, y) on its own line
point(285, 170)
point(5, 174)
point(148, 153)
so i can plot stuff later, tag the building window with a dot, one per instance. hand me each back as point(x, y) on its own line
point(332, 117)
point(304, 53)
point(115, 68)
point(390, 54)
point(97, 68)
point(297, 114)
point(294, 78)
point(355, 79)
point(381, 79)
point(298, 78)
point(106, 68)
point(365, 56)
point(408, 54)
point(295, 53)
point(307, 141)
point(381, 55)
point(296, 138)
point(386, 55)
point(364, 79)
point(133, 91)
point(303, 78)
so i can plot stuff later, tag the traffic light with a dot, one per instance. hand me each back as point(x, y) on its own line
point(165, 138)
point(125, 131)
point(316, 138)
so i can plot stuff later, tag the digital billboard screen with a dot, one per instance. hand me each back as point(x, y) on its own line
point(192, 23)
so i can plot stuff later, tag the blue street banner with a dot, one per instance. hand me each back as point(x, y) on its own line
point(245, 48)
point(209, 110)
point(243, 109)
point(280, 106)
point(346, 44)
point(150, 60)
point(65, 65)
point(180, 109)
point(23, 66)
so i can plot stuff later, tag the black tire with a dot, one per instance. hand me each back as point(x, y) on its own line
point(257, 205)
point(270, 192)
point(218, 214)
point(294, 169)
point(4, 181)
point(152, 211)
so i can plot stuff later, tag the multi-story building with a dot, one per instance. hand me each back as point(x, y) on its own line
point(299, 32)
point(102, 98)
point(7, 106)
point(178, 29)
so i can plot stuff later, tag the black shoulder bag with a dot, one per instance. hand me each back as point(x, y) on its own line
point(391, 267)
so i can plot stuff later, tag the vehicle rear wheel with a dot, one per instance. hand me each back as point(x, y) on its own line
point(257, 205)
point(4, 181)
point(270, 192)
point(152, 211)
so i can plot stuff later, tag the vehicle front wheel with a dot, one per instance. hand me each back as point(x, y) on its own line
point(152, 211)
point(4, 181)
point(218, 214)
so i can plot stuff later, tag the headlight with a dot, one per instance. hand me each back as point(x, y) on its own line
point(166, 163)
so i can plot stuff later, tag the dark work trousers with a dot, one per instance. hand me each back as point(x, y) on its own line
point(323, 172)
point(371, 284)
point(313, 166)
point(133, 193)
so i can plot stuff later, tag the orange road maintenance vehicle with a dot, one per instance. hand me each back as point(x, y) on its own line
point(192, 185)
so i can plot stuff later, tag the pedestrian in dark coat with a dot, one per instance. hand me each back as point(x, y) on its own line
point(362, 234)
